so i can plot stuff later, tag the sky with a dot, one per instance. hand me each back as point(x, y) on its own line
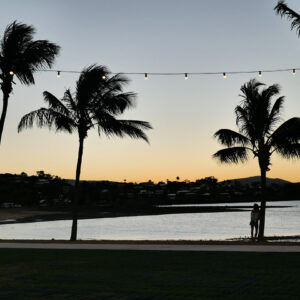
point(153, 36)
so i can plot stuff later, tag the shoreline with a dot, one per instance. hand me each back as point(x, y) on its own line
point(272, 240)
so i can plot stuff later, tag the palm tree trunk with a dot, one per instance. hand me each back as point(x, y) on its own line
point(263, 204)
point(76, 192)
point(3, 114)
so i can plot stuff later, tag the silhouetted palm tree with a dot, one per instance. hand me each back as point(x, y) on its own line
point(283, 10)
point(21, 56)
point(256, 119)
point(98, 100)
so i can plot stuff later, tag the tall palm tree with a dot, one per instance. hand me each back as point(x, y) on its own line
point(256, 119)
point(21, 56)
point(99, 98)
point(283, 10)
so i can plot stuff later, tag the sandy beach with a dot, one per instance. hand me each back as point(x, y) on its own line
point(15, 214)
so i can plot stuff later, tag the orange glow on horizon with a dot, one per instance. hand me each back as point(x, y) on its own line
point(221, 172)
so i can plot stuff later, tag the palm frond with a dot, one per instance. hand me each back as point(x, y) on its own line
point(243, 121)
point(250, 89)
point(111, 126)
point(69, 100)
point(89, 83)
point(270, 91)
point(117, 81)
point(274, 115)
point(255, 116)
point(232, 155)
point(40, 54)
point(289, 151)
point(44, 117)
point(115, 103)
point(288, 132)
point(229, 138)
point(37, 55)
point(283, 10)
point(135, 129)
point(14, 36)
point(55, 103)
point(22, 55)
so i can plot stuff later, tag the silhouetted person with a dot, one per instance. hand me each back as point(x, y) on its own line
point(255, 214)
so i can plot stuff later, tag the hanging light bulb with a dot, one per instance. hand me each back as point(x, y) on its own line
point(186, 76)
point(103, 77)
point(294, 72)
point(146, 76)
point(224, 75)
point(11, 73)
point(58, 74)
point(259, 74)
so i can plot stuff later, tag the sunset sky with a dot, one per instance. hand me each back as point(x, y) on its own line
point(153, 36)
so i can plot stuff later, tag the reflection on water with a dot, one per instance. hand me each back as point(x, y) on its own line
point(221, 225)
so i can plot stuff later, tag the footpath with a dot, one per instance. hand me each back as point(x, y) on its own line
point(153, 247)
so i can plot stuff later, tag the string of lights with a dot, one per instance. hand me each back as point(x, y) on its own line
point(185, 74)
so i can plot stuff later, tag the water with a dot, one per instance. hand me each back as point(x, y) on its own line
point(193, 226)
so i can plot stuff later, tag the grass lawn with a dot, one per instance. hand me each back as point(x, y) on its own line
point(97, 274)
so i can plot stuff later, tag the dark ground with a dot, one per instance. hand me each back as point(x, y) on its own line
point(93, 274)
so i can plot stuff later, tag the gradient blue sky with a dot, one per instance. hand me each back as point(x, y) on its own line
point(153, 36)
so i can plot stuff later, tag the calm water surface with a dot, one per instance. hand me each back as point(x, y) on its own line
point(222, 225)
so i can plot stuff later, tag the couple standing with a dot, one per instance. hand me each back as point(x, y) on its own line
point(255, 216)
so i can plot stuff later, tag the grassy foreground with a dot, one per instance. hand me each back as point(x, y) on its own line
point(98, 274)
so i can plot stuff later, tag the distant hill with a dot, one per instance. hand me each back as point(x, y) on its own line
point(244, 181)
point(249, 180)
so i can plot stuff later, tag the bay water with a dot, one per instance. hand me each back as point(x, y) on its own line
point(280, 221)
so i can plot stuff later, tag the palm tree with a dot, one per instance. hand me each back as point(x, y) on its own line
point(21, 56)
point(283, 10)
point(99, 98)
point(256, 119)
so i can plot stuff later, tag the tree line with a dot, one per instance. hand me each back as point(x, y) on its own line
point(48, 191)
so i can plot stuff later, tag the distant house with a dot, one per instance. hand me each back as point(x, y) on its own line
point(205, 194)
point(42, 181)
point(159, 192)
point(7, 204)
point(181, 194)
point(171, 196)
point(145, 194)
point(224, 196)
point(43, 203)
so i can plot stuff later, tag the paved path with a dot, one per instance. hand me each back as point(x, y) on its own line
point(156, 247)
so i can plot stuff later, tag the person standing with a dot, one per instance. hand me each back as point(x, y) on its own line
point(255, 214)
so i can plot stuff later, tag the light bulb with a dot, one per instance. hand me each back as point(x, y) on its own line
point(294, 72)
point(103, 77)
point(58, 74)
point(11, 73)
point(259, 74)
point(146, 76)
point(224, 75)
point(186, 76)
